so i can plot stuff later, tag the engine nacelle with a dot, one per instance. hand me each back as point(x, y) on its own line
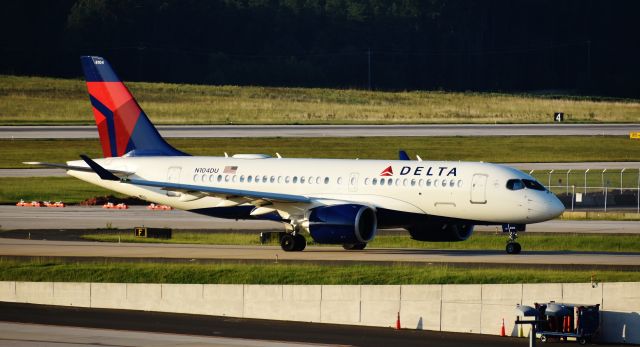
point(442, 232)
point(340, 224)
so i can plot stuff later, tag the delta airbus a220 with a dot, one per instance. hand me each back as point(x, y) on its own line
point(335, 201)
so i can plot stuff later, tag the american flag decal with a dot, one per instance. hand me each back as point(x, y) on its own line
point(230, 170)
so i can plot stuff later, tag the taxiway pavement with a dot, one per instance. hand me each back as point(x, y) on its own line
point(89, 131)
point(85, 217)
point(53, 326)
point(84, 249)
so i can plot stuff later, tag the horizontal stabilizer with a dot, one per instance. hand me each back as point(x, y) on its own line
point(75, 167)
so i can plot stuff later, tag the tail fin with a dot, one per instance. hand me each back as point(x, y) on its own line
point(122, 125)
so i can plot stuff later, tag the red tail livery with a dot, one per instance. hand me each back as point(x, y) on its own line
point(123, 126)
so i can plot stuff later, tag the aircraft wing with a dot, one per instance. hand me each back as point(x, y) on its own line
point(191, 188)
point(76, 168)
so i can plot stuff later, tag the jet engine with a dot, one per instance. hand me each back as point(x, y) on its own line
point(342, 224)
point(441, 232)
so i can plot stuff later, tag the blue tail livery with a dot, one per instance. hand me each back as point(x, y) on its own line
point(123, 126)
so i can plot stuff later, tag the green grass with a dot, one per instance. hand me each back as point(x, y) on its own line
point(36, 100)
point(489, 149)
point(67, 189)
point(182, 237)
point(599, 215)
point(478, 241)
point(51, 270)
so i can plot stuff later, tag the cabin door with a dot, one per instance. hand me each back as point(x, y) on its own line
point(479, 189)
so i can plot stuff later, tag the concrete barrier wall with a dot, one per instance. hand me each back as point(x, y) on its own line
point(470, 308)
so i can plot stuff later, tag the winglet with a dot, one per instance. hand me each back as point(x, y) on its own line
point(403, 155)
point(102, 172)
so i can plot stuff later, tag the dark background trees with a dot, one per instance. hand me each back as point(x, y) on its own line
point(570, 46)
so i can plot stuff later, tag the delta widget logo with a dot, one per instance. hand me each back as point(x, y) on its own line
point(387, 172)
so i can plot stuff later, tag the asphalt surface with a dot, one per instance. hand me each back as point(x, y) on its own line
point(40, 335)
point(81, 249)
point(84, 217)
point(89, 131)
point(162, 328)
point(33, 173)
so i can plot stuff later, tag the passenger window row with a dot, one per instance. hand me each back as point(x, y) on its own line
point(397, 182)
point(262, 179)
point(413, 182)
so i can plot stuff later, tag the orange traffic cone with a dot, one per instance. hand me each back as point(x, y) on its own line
point(398, 322)
point(502, 333)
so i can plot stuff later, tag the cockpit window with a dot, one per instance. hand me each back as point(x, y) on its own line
point(531, 184)
point(515, 184)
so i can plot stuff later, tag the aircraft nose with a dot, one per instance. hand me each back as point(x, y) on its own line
point(554, 207)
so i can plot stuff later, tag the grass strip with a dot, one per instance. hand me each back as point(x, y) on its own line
point(182, 237)
point(59, 271)
point(598, 215)
point(67, 189)
point(38, 100)
point(488, 149)
point(478, 241)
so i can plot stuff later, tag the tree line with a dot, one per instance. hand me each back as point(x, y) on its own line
point(583, 47)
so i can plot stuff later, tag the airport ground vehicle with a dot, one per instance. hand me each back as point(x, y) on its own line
point(568, 321)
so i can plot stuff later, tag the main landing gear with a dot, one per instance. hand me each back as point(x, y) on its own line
point(513, 247)
point(293, 243)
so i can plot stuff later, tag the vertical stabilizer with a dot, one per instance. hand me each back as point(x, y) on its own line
point(123, 126)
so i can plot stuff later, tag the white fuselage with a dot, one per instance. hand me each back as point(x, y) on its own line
point(461, 190)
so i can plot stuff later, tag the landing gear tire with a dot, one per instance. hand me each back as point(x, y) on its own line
point(293, 243)
point(513, 248)
point(354, 246)
point(300, 242)
point(543, 338)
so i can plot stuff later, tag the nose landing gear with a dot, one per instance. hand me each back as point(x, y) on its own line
point(513, 247)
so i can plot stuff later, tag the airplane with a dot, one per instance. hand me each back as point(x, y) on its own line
point(337, 201)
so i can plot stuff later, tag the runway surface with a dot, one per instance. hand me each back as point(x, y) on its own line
point(33, 173)
point(38, 335)
point(84, 217)
point(80, 249)
point(89, 131)
point(614, 165)
point(102, 327)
